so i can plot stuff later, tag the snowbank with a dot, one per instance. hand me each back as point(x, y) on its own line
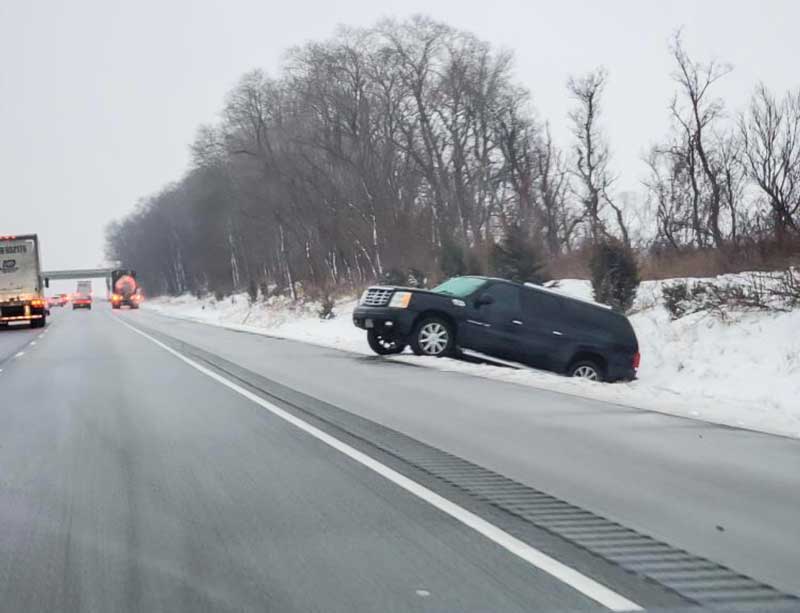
point(744, 371)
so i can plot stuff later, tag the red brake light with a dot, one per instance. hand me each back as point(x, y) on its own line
point(636, 359)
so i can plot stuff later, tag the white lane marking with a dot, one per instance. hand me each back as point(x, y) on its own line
point(576, 580)
point(33, 343)
point(20, 354)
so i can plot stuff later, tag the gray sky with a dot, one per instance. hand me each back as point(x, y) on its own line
point(99, 99)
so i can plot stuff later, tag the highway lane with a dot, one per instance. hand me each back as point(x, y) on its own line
point(15, 338)
point(730, 495)
point(132, 482)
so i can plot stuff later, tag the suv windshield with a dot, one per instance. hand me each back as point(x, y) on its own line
point(459, 286)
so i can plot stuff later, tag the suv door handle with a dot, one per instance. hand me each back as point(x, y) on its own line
point(558, 333)
point(516, 322)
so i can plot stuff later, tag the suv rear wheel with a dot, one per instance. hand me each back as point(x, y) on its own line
point(433, 336)
point(586, 369)
point(382, 343)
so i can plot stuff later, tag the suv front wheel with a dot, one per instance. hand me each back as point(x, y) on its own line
point(433, 336)
point(382, 343)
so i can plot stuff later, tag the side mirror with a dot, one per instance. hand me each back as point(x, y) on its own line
point(482, 300)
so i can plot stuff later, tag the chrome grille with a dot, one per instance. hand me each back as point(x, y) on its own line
point(377, 296)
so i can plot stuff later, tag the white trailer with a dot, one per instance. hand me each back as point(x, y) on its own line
point(21, 284)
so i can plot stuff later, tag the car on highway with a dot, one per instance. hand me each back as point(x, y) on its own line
point(523, 323)
point(58, 300)
point(81, 301)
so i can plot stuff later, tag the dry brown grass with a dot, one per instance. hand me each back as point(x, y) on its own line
point(572, 265)
point(691, 262)
point(746, 256)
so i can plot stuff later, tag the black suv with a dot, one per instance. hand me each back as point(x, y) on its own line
point(521, 323)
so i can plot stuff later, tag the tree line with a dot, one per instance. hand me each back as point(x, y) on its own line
point(407, 150)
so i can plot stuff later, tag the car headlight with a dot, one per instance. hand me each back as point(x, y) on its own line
point(400, 300)
point(363, 296)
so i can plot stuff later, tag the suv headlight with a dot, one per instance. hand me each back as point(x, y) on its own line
point(363, 296)
point(400, 300)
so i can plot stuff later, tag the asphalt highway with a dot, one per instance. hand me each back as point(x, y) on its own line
point(135, 481)
point(132, 482)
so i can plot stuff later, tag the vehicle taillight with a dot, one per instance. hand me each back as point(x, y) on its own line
point(636, 359)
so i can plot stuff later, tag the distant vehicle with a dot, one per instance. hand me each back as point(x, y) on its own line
point(21, 283)
point(82, 299)
point(126, 291)
point(511, 321)
point(54, 301)
point(63, 299)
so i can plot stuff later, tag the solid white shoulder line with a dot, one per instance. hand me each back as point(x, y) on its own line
point(576, 580)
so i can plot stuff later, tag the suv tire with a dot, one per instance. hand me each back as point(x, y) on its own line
point(586, 369)
point(433, 336)
point(382, 344)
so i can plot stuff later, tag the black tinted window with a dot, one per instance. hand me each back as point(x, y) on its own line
point(587, 314)
point(599, 319)
point(506, 296)
point(541, 305)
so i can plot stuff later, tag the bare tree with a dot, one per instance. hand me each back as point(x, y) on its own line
point(592, 154)
point(696, 112)
point(770, 132)
point(556, 217)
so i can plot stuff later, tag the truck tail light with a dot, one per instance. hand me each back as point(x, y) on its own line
point(636, 359)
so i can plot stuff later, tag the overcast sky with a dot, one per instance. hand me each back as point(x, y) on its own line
point(99, 99)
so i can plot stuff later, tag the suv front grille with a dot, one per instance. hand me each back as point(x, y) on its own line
point(377, 296)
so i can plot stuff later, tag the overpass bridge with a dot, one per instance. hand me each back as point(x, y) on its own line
point(78, 273)
point(86, 273)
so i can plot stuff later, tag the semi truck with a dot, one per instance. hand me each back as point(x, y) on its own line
point(22, 296)
point(125, 289)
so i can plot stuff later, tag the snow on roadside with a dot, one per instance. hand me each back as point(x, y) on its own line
point(742, 372)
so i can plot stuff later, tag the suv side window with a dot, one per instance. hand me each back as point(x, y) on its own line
point(539, 305)
point(506, 297)
point(587, 316)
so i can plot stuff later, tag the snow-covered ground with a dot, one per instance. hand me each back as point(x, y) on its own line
point(744, 371)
